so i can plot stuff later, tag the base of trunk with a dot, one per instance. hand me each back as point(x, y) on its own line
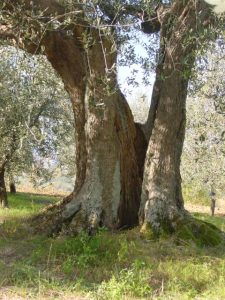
point(49, 221)
point(161, 219)
point(187, 230)
point(200, 232)
point(54, 221)
point(79, 212)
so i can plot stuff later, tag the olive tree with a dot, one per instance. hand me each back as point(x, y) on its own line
point(80, 39)
point(203, 160)
point(32, 113)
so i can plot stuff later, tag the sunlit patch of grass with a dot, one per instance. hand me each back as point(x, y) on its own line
point(218, 221)
point(22, 205)
point(108, 265)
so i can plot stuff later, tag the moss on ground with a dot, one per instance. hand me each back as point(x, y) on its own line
point(200, 232)
point(193, 230)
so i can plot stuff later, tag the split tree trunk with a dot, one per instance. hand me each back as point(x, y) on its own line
point(162, 207)
point(3, 194)
point(108, 173)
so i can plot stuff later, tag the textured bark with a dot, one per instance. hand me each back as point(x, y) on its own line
point(3, 194)
point(162, 207)
point(108, 175)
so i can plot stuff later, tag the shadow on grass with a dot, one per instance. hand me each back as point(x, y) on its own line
point(14, 221)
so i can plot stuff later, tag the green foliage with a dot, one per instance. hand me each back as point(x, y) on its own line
point(131, 281)
point(203, 159)
point(36, 117)
point(195, 193)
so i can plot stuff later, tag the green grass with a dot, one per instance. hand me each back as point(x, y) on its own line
point(23, 205)
point(106, 266)
point(218, 221)
point(196, 195)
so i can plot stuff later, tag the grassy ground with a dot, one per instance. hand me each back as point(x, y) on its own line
point(106, 266)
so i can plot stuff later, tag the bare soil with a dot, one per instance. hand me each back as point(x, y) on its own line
point(219, 210)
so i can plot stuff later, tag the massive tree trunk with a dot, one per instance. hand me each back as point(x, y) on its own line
point(162, 207)
point(108, 173)
point(3, 194)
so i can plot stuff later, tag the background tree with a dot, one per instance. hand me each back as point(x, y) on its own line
point(203, 160)
point(33, 115)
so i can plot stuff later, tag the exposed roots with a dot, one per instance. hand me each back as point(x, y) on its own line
point(50, 220)
point(70, 217)
point(200, 232)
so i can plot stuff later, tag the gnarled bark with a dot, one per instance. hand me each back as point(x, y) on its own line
point(108, 175)
point(162, 207)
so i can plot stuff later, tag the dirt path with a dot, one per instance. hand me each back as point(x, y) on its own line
point(219, 210)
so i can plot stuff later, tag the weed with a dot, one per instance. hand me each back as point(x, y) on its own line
point(131, 281)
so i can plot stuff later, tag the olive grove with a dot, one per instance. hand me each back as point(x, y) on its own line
point(203, 164)
point(33, 114)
